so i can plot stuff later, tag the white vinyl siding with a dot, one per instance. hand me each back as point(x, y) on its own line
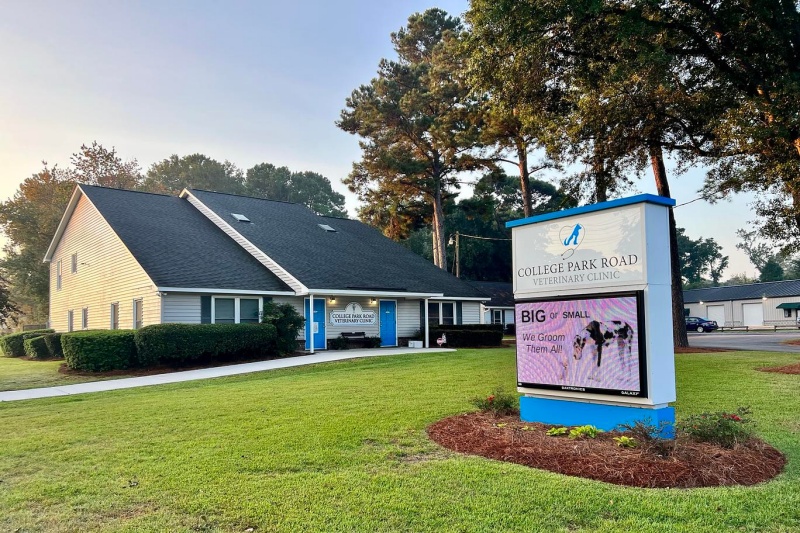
point(408, 318)
point(108, 273)
point(181, 308)
point(470, 313)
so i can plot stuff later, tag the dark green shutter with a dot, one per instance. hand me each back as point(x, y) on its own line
point(459, 313)
point(205, 309)
point(422, 317)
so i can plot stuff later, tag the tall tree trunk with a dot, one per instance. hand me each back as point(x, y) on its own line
point(439, 253)
point(662, 186)
point(600, 173)
point(524, 178)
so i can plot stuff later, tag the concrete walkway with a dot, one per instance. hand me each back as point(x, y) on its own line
point(207, 373)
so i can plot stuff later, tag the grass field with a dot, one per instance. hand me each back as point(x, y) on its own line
point(18, 374)
point(342, 447)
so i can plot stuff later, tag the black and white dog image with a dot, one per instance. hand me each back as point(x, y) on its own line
point(602, 334)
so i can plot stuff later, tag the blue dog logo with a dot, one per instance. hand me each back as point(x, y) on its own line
point(573, 237)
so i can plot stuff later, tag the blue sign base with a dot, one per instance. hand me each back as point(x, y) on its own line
point(605, 417)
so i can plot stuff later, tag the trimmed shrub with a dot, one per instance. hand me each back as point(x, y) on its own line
point(339, 343)
point(99, 351)
point(53, 342)
point(489, 335)
point(35, 348)
point(287, 322)
point(372, 342)
point(186, 343)
point(13, 345)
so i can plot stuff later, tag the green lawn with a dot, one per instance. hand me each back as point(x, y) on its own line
point(18, 374)
point(342, 447)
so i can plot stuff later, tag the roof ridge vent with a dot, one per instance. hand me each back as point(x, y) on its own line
point(240, 217)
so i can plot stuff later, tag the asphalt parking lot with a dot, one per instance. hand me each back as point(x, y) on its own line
point(767, 341)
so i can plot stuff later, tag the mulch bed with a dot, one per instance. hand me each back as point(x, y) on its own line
point(689, 465)
point(693, 349)
point(786, 369)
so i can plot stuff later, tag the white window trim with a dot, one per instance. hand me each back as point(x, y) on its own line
point(236, 309)
point(58, 275)
point(70, 321)
point(84, 318)
point(74, 263)
point(137, 302)
point(111, 324)
point(439, 303)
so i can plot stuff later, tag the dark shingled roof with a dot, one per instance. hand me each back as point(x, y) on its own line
point(772, 289)
point(176, 245)
point(354, 257)
point(502, 292)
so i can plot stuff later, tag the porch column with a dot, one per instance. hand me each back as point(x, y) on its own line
point(427, 333)
point(310, 323)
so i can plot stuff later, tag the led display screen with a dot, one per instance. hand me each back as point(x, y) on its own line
point(585, 344)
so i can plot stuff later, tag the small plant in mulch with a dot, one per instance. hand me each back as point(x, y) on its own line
point(721, 428)
point(624, 441)
point(556, 431)
point(498, 402)
point(584, 432)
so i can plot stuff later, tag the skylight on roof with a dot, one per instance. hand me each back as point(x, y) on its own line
point(240, 218)
point(326, 227)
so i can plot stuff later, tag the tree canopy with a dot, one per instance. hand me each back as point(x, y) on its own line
point(313, 190)
point(414, 121)
point(702, 262)
point(198, 171)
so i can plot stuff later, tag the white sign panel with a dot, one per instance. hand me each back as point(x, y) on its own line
point(604, 248)
point(353, 315)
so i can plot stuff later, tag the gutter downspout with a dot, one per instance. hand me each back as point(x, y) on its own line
point(427, 332)
point(311, 322)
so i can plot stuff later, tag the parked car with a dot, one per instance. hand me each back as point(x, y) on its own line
point(694, 323)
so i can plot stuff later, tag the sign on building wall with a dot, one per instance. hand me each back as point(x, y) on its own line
point(353, 315)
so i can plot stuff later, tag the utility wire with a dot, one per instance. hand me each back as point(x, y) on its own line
point(483, 238)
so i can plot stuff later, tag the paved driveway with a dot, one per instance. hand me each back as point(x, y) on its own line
point(763, 341)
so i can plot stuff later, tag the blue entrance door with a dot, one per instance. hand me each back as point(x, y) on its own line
point(315, 326)
point(388, 312)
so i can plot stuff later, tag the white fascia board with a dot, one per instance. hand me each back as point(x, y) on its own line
point(464, 298)
point(383, 294)
point(240, 239)
point(225, 291)
point(73, 201)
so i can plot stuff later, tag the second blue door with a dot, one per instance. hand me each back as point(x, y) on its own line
point(388, 313)
point(315, 326)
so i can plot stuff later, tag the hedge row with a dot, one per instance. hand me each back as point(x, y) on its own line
point(184, 343)
point(14, 345)
point(170, 344)
point(461, 337)
point(47, 346)
point(98, 351)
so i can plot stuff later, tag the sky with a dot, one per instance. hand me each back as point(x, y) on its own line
point(250, 82)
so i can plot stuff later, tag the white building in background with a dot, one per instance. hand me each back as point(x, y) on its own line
point(775, 303)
